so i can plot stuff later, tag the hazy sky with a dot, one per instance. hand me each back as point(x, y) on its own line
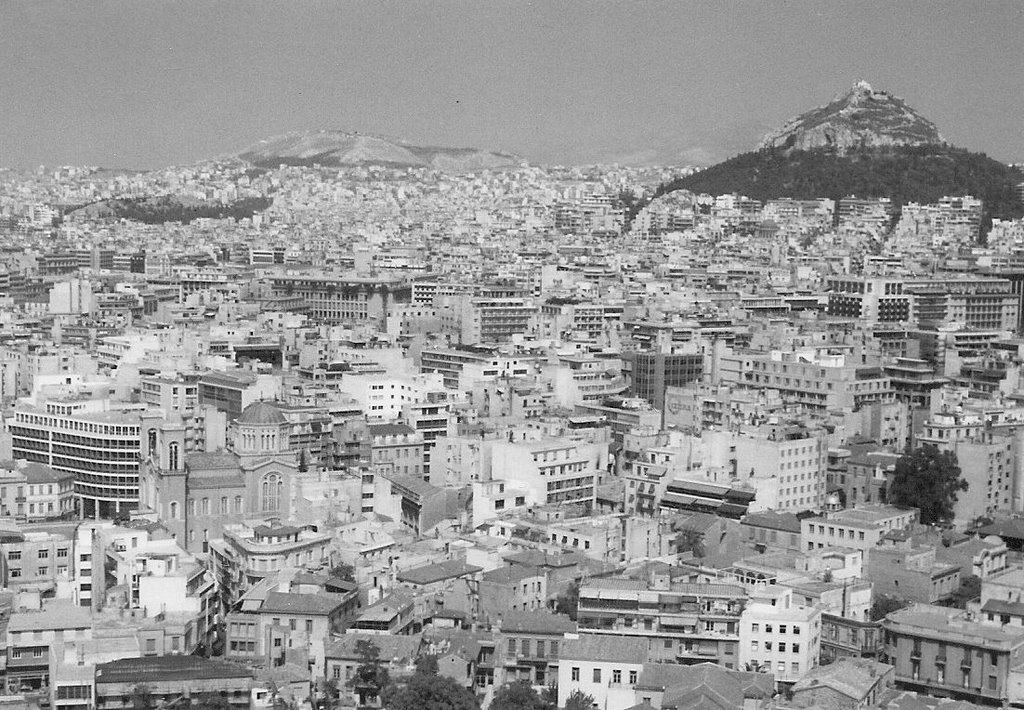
point(149, 83)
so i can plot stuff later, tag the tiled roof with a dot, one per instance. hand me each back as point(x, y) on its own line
point(594, 647)
point(437, 572)
point(165, 668)
point(321, 603)
point(537, 622)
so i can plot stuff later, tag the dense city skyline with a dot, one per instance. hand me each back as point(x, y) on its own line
point(576, 83)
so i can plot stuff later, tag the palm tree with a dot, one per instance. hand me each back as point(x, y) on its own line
point(690, 540)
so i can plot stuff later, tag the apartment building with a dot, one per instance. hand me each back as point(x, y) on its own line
point(944, 651)
point(913, 574)
point(551, 470)
point(684, 622)
point(38, 557)
point(607, 668)
point(32, 491)
point(987, 458)
point(248, 554)
point(396, 448)
point(860, 528)
point(779, 636)
point(531, 645)
point(31, 635)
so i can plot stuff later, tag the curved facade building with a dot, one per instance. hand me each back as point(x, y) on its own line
point(99, 447)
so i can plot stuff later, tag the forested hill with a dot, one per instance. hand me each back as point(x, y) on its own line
point(922, 174)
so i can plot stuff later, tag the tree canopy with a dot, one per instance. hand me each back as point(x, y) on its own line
point(426, 691)
point(371, 676)
point(518, 696)
point(578, 700)
point(921, 174)
point(928, 479)
point(568, 601)
point(885, 605)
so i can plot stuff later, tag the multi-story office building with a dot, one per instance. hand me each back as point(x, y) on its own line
point(813, 379)
point(344, 299)
point(650, 373)
point(231, 392)
point(685, 623)
point(90, 439)
point(977, 302)
point(870, 298)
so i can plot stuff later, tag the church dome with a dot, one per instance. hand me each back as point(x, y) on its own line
point(261, 413)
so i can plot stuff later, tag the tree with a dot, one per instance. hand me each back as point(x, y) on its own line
point(970, 588)
point(518, 696)
point(885, 605)
point(690, 540)
point(427, 664)
point(578, 700)
point(429, 692)
point(371, 677)
point(343, 571)
point(929, 480)
point(568, 602)
point(142, 698)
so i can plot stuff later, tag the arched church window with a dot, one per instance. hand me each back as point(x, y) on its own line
point(270, 493)
point(172, 456)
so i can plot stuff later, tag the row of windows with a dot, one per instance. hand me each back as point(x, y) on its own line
point(596, 675)
point(15, 555)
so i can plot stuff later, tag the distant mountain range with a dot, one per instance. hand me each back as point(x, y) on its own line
point(339, 148)
point(866, 143)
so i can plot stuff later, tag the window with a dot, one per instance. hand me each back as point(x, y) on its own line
point(270, 492)
point(767, 645)
point(43, 571)
point(575, 673)
point(597, 675)
point(796, 630)
point(224, 505)
point(511, 647)
point(14, 555)
point(174, 510)
point(206, 506)
point(43, 554)
point(632, 677)
point(238, 504)
point(768, 628)
point(172, 456)
point(782, 647)
point(796, 648)
point(62, 552)
point(15, 572)
point(782, 628)
point(756, 628)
